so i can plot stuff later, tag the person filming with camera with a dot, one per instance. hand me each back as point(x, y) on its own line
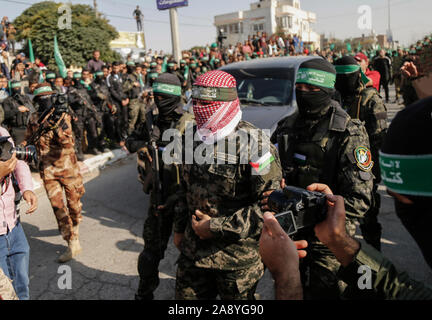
point(50, 130)
point(15, 177)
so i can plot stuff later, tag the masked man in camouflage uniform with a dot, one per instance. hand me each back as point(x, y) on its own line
point(159, 222)
point(323, 144)
point(218, 234)
point(104, 105)
point(133, 87)
point(58, 167)
point(366, 105)
point(17, 110)
point(86, 116)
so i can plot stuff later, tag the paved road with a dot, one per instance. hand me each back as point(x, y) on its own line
point(114, 212)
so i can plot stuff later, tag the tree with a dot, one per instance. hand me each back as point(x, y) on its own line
point(88, 33)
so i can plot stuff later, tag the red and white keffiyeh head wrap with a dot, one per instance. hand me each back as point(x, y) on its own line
point(216, 119)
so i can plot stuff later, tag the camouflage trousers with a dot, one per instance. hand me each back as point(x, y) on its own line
point(157, 232)
point(370, 227)
point(136, 114)
point(68, 215)
point(397, 83)
point(7, 292)
point(319, 269)
point(194, 283)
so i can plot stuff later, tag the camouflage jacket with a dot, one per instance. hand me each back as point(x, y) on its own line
point(368, 107)
point(387, 282)
point(129, 88)
point(334, 149)
point(55, 149)
point(101, 97)
point(230, 194)
point(141, 137)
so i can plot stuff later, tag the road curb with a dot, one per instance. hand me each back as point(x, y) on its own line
point(90, 165)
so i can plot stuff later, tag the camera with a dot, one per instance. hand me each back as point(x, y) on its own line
point(27, 153)
point(297, 208)
point(60, 102)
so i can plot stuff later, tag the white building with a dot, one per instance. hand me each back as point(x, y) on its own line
point(266, 16)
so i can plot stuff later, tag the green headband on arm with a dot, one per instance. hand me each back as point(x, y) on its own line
point(316, 78)
point(411, 175)
point(214, 94)
point(166, 89)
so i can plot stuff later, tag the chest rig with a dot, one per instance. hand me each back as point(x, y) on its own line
point(310, 154)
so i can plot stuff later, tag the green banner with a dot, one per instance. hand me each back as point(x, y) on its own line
point(59, 60)
point(411, 175)
point(31, 54)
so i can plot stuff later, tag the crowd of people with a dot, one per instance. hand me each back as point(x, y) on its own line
point(217, 210)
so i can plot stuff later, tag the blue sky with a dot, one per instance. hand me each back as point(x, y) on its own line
point(410, 18)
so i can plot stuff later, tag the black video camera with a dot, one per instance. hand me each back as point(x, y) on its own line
point(60, 102)
point(27, 153)
point(297, 208)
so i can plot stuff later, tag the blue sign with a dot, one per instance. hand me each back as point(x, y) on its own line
point(168, 4)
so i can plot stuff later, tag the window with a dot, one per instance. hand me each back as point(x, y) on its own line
point(224, 28)
point(272, 87)
point(290, 21)
point(258, 27)
point(234, 28)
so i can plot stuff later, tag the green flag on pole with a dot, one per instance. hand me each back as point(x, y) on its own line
point(59, 60)
point(348, 46)
point(31, 54)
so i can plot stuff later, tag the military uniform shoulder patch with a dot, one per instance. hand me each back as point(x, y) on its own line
point(363, 158)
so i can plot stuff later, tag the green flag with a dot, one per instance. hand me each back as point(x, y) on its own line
point(31, 54)
point(348, 46)
point(59, 60)
point(332, 46)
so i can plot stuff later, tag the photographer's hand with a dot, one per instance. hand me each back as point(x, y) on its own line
point(332, 232)
point(32, 200)
point(281, 256)
point(320, 187)
point(6, 167)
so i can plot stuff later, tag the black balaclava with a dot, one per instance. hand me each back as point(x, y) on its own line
point(321, 74)
point(16, 87)
point(44, 102)
point(168, 87)
point(99, 77)
point(347, 76)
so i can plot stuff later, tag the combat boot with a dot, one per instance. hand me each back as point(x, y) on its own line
point(73, 249)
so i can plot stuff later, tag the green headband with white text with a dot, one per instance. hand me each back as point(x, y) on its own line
point(166, 89)
point(316, 77)
point(407, 174)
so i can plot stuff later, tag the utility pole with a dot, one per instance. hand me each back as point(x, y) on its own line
point(95, 8)
point(175, 38)
point(389, 32)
